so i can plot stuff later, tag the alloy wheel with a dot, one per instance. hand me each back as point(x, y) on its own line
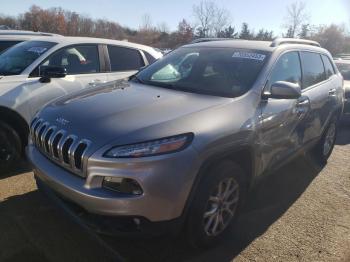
point(221, 207)
point(329, 139)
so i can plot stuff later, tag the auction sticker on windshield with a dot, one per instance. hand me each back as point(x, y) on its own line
point(249, 55)
point(39, 50)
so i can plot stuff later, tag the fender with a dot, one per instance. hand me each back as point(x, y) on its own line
point(244, 155)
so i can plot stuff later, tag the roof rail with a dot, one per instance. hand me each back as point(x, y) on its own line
point(281, 41)
point(209, 39)
point(25, 33)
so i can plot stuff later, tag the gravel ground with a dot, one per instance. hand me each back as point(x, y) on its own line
point(299, 213)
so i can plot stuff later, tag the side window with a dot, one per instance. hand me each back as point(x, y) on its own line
point(313, 70)
point(82, 59)
point(124, 59)
point(328, 66)
point(150, 58)
point(287, 69)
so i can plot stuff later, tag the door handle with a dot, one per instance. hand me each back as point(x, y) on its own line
point(303, 102)
point(332, 92)
point(302, 106)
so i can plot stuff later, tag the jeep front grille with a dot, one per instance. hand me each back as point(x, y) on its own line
point(66, 150)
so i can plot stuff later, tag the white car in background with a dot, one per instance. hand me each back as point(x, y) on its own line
point(9, 38)
point(33, 73)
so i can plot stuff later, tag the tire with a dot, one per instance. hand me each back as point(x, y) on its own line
point(325, 146)
point(10, 148)
point(200, 231)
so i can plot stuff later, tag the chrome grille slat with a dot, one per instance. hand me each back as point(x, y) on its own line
point(83, 154)
point(49, 139)
point(36, 129)
point(35, 120)
point(60, 146)
point(72, 151)
point(40, 132)
point(70, 148)
point(45, 128)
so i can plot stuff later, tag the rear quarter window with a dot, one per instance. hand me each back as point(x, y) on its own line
point(124, 59)
point(150, 58)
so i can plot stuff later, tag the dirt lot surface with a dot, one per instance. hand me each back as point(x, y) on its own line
point(300, 213)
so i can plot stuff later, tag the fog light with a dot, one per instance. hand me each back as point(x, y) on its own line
point(122, 185)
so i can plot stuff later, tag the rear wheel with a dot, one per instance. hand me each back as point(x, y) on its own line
point(216, 204)
point(10, 148)
point(324, 148)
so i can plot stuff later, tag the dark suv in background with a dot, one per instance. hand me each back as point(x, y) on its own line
point(184, 140)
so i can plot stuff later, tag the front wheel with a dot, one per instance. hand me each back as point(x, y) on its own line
point(325, 146)
point(10, 148)
point(216, 204)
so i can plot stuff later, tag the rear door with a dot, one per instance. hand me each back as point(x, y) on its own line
point(318, 90)
point(280, 119)
point(333, 84)
point(124, 62)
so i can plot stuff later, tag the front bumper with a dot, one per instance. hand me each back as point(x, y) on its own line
point(166, 182)
point(108, 225)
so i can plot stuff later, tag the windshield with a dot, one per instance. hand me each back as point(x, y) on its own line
point(344, 70)
point(14, 60)
point(7, 44)
point(215, 71)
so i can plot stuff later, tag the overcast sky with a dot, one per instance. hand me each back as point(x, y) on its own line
point(257, 13)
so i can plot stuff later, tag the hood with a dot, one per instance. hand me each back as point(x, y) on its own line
point(121, 108)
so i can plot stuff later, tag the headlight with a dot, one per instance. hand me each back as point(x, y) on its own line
point(151, 148)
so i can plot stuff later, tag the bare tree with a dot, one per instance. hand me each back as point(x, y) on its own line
point(210, 18)
point(163, 27)
point(296, 16)
point(221, 20)
point(146, 22)
point(331, 37)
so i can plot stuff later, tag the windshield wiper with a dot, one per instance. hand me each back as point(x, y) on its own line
point(135, 77)
point(176, 87)
point(184, 88)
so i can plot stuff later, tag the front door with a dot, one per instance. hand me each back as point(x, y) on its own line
point(280, 129)
point(82, 64)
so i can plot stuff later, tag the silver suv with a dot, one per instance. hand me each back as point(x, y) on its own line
point(184, 140)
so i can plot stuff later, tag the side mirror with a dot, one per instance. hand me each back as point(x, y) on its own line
point(48, 72)
point(284, 90)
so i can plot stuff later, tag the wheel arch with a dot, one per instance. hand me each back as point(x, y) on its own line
point(17, 122)
point(242, 156)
